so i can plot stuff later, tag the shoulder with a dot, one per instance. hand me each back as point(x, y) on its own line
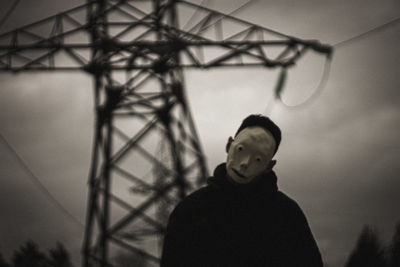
point(200, 196)
point(288, 206)
point(196, 200)
point(285, 200)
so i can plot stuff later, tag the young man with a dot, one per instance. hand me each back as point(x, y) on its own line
point(241, 218)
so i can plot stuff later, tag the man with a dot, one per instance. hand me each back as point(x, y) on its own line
point(240, 218)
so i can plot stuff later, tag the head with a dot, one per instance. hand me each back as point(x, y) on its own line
point(250, 153)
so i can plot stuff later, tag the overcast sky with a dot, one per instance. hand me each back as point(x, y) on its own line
point(338, 157)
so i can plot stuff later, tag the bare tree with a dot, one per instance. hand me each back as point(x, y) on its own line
point(3, 262)
point(394, 248)
point(59, 257)
point(368, 251)
point(29, 255)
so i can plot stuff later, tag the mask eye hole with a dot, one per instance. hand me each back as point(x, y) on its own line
point(240, 148)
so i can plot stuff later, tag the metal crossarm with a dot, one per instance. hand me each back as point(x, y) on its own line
point(69, 42)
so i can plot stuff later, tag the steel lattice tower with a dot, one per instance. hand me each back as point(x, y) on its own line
point(145, 138)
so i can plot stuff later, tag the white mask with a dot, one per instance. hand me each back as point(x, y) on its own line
point(250, 154)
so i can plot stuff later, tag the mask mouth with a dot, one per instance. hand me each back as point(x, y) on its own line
point(239, 174)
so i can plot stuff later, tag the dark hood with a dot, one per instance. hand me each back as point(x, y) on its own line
point(265, 185)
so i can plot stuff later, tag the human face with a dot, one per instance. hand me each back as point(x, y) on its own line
point(249, 154)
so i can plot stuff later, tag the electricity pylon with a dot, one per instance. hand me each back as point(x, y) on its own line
point(136, 51)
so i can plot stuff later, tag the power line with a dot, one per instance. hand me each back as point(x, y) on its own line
point(325, 75)
point(367, 33)
point(9, 12)
point(189, 21)
point(39, 185)
point(236, 10)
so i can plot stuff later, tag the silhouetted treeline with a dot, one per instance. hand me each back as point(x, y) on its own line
point(394, 249)
point(3, 263)
point(29, 255)
point(370, 252)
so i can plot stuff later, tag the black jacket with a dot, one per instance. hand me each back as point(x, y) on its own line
point(224, 224)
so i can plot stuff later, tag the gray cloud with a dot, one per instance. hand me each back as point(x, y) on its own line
point(338, 156)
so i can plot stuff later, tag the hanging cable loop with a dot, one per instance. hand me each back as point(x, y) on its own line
point(321, 85)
